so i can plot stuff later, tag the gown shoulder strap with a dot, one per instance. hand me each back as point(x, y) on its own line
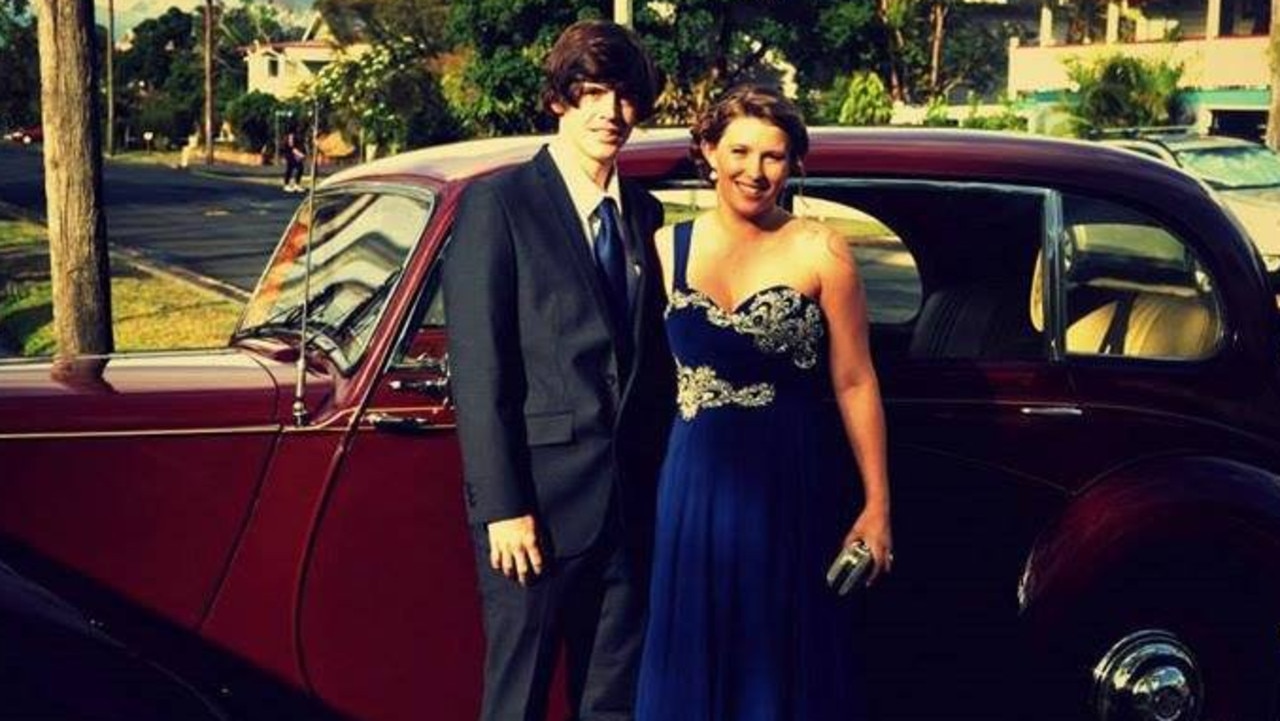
point(683, 232)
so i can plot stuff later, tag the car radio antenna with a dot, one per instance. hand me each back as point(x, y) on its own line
point(300, 385)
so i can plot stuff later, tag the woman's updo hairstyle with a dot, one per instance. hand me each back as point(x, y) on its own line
point(750, 101)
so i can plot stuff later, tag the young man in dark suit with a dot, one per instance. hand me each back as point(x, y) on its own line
point(564, 388)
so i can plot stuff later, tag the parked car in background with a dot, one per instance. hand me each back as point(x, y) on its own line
point(1078, 359)
point(1246, 176)
point(26, 136)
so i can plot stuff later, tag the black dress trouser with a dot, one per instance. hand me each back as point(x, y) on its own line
point(593, 603)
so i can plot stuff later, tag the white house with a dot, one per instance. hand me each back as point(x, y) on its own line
point(1221, 45)
point(281, 68)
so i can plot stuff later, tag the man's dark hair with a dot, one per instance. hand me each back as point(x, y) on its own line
point(599, 51)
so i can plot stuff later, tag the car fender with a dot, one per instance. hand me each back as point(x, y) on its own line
point(1192, 506)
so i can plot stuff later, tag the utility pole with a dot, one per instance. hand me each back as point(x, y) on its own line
point(111, 77)
point(622, 13)
point(208, 82)
point(1273, 113)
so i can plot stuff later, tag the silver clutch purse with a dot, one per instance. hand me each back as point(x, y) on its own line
point(851, 568)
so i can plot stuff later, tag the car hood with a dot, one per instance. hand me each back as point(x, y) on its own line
point(1258, 210)
point(130, 392)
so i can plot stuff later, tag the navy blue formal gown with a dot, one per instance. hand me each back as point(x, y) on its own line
point(756, 494)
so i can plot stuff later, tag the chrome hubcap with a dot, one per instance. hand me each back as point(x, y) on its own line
point(1147, 676)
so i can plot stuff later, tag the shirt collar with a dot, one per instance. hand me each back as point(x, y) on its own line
point(584, 193)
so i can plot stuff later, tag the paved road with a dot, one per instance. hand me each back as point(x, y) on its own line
point(217, 227)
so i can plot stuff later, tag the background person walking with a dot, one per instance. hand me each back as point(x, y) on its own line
point(294, 154)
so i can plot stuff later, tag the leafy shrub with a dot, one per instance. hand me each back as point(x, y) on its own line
point(252, 115)
point(867, 102)
point(935, 113)
point(1006, 119)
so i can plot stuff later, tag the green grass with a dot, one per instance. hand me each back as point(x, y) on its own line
point(150, 311)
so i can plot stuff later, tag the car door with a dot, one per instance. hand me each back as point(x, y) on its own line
point(389, 622)
point(973, 404)
point(1149, 341)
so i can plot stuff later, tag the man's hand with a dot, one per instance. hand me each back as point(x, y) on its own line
point(513, 548)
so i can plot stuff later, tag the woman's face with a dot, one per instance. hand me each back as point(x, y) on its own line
point(751, 165)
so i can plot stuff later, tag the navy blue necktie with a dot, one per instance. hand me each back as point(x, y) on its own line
point(612, 259)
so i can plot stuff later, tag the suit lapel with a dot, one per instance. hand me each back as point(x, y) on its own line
point(638, 265)
point(556, 195)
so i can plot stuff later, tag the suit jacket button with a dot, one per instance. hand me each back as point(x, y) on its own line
point(611, 380)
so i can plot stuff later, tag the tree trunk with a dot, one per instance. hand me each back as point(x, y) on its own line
point(1273, 116)
point(111, 78)
point(935, 50)
point(79, 267)
point(208, 82)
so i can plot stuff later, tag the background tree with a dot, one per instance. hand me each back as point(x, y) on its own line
point(505, 41)
point(79, 266)
point(388, 98)
point(20, 80)
point(706, 46)
point(163, 70)
point(423, 23)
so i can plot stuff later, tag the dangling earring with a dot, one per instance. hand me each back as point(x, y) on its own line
point(712, 175)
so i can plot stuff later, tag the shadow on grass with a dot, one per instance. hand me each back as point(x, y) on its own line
point(23, 323)
point(24, 264)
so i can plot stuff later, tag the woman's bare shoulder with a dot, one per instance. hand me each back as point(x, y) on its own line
point(819, 244)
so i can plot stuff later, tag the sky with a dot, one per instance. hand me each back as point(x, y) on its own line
point(132, 12)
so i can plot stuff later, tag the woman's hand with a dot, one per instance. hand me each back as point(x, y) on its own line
point(873, 528)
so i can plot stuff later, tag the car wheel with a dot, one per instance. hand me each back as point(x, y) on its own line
point(1189, 638)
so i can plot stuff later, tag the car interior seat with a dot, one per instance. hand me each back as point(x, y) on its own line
point(1130, 320)
point(973, 320)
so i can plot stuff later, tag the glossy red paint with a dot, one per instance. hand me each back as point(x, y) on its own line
point(137, 471)
point(334, 557)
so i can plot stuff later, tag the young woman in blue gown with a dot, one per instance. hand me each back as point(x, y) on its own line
point(759, 491)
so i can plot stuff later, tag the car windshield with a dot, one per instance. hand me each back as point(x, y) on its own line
point(361, 241)
point(1233, 168)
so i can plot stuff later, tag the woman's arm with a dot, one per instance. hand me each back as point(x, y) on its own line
point(857, 391)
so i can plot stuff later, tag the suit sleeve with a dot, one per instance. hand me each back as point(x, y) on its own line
point(488, 381)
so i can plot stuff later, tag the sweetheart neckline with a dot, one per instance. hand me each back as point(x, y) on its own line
point(745, 302)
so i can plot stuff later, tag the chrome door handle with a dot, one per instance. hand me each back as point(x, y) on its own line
point(1052, 411)
point(398, 424)
point(434, 387)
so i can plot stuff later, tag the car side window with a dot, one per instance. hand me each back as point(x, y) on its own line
point(1132, 287)
point(949, 263)
point(420, 338)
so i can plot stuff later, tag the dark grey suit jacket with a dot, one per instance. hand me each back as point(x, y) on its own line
point(547, 422)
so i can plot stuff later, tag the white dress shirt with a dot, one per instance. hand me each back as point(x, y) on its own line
point(583, 191)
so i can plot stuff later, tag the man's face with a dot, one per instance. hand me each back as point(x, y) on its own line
point(599, 125)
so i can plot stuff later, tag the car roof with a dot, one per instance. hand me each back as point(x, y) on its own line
point(914, 152)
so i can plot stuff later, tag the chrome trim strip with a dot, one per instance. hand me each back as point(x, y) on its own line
point(1053, 295)
point(153, 432)
point(340, 419)
point(1053, 411)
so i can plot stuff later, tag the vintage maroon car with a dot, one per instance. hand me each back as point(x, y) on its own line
point(1078, 354)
